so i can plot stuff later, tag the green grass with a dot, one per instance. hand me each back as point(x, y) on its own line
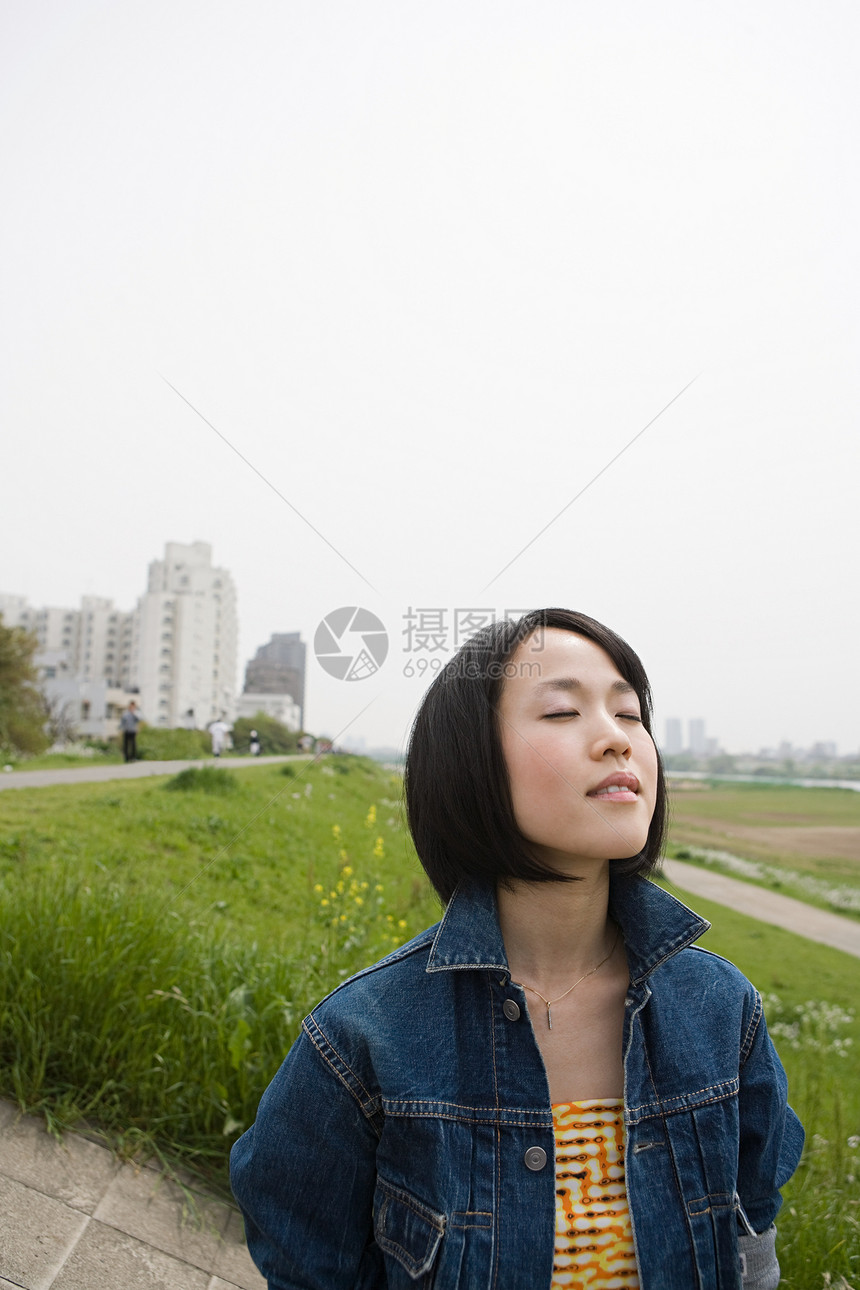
point(768, 804)
point(158, 949)
point(236, 861)
point(819, 1225)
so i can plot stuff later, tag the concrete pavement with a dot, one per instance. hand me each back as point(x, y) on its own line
point(72, 1217)
point(133, 770)
point(767, 906)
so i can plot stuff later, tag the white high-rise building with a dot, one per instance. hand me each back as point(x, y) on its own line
point(185, 639)
point(92, 643)
point(83, 659)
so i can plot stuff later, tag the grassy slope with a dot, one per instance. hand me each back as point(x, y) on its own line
point(261, 870)
point(236, 859)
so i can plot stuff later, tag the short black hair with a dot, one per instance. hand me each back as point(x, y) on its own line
point(458, 796)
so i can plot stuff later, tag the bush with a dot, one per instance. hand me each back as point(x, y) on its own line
point(274, 735)
point(203, 779)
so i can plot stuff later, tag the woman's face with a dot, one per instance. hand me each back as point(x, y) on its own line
point(582, 767)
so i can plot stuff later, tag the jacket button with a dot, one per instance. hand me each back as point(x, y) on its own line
point(535, 1158)
point(511, 1009)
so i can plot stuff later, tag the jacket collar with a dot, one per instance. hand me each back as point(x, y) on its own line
point(655, 926)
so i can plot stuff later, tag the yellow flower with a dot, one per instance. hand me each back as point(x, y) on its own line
point(371, 818)
point(347, 870)
point(333, 895)
point(379, 887)
point(318, 887)
point(379, 849)
point(359, 900)
point(344, 856)
point(324, 902)
point(343, 918)
point(335, 832)
point(401, 922)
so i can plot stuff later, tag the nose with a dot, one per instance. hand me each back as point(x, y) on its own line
point(611, 738)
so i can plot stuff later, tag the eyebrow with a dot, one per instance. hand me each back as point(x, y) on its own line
point(571, 683)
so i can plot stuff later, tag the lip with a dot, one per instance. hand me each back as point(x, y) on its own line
point(621, 780)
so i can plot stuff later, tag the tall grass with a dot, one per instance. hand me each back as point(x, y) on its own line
point(162, 1033)
point(819, 1226)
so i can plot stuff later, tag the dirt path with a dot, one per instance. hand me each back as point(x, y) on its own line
point(836, 841)
point(768, 906)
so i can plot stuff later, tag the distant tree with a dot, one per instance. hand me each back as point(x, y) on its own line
point(722, 764)
point(275, 737)
point(22, 707)
point(59, 721)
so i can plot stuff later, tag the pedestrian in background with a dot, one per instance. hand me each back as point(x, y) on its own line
point(255, 744)
point(219, 731)
point(128, 723)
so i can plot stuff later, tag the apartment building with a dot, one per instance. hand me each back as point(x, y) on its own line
point(175, 653)
point(183, 656)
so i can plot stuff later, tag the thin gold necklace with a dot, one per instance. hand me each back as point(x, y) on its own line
point(584, 977)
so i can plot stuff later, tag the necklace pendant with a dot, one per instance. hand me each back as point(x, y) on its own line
point(549, 1015)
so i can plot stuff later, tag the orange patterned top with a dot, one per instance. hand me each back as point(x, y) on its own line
point(593, 1237)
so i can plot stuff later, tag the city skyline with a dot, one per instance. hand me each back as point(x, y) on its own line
point(668, 732)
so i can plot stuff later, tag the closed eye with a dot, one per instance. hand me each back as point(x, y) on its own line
point(629, 716)
point(549, 716)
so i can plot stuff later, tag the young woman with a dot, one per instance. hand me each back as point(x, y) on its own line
point(553, 1087)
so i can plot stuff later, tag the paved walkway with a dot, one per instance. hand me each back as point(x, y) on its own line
point(767, 906)
point(134, 770)
point(72, 1217)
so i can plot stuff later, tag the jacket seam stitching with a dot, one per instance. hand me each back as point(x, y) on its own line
point(752, 1029)
point(680, 1189)
point(430, 1216)
point(369, 1107)
point(730, 1085)
point(498, 1218)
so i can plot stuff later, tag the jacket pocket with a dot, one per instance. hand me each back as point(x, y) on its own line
point(407, 1231)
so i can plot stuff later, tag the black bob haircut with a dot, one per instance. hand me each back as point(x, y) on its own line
point(458, 797)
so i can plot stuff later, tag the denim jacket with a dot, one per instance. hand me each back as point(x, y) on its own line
point(407, 1141)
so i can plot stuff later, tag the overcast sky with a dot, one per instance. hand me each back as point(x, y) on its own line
point(429, 268)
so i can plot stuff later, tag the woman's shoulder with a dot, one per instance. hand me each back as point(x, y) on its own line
point(391, 973)
point(711, 970)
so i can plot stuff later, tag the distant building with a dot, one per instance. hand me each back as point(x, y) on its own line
point(674, 742)
point(175, 653)
point(83, 660)
point(278, 668)
point(185, 640)
point(698, 738)
point(279, 706)
point(95, 640)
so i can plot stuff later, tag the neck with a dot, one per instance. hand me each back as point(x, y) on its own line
point(554, 932)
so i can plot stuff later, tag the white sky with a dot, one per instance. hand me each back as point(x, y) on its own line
point(430, 267)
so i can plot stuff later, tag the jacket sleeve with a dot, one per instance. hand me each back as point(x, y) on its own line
point(771, 1142)
point(304, 1176)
